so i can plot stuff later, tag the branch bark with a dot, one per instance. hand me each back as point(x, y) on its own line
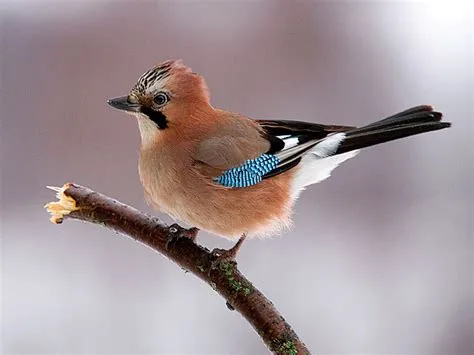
point(79, 202)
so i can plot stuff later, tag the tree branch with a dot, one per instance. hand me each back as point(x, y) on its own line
point(78, 202)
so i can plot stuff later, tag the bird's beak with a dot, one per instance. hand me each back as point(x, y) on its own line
point(122, 103)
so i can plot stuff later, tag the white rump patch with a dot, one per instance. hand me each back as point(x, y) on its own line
point(313, 169)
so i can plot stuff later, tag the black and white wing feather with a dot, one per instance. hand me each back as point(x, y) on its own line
point(290, 140)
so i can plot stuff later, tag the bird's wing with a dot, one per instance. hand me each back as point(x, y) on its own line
point(226, 152)
point(245, 155)
point(290, 140)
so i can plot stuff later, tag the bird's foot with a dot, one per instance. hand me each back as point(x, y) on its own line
point(226, 255)
point(176, 232)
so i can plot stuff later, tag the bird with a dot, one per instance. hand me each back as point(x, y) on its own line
point(232, 175)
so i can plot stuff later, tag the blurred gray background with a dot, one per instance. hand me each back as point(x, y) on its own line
point(380, 259)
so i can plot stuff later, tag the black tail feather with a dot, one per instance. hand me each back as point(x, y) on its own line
point(416, 114)
point(413, 121)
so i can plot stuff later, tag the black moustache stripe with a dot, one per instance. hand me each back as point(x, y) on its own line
point(156, 116)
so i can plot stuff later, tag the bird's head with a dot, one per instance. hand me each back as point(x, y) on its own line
point(164, 98)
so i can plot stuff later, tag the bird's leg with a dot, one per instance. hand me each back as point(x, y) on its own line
point(223, 255)
point(176, 232)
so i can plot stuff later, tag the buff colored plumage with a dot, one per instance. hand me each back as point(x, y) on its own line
point(187, 145)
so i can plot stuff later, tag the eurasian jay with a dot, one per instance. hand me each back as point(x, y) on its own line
point(231, 175)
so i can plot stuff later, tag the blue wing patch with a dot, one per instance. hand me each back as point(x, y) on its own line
point(249, 173)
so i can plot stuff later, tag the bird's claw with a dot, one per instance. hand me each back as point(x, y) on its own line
point(225, 255)
point(221, 256)
point(176, 232)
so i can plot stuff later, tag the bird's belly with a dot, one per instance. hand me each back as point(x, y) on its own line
point(261, 209)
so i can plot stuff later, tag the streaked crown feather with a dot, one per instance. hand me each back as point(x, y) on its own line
point(168, 75)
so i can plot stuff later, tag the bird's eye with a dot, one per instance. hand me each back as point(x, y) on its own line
point(161, 99)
